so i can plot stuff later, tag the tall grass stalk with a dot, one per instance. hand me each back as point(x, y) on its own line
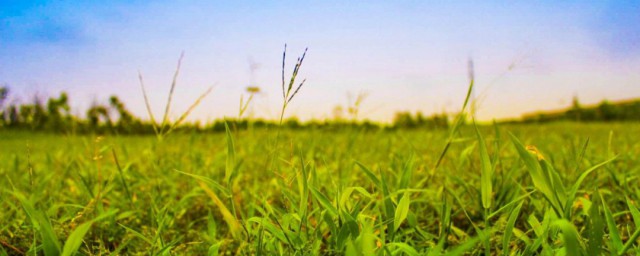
point(166, 126)
point(288, 93)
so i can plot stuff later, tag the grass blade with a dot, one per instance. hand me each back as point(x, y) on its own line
point(614, 233)
point(486, 169)
point(508, 230)
point(445, 219)
point(595, 227)
point(120, 172)
point(231, 155)
point(630, 242)
point(189, 110)
point(210, 182)
point(50, 242)
point(387, 203)
point(345, 196)
point(214, 249)
point(405, 248)
point(147, 103)
point(369, 174)
point(137, 234)
point(574, 189)
point(74, 240)
point(268, 226)
point(407, 172)
point(457, 123)
point(167, 109)
point(232, 223)
point(635, 213)
point(303, 190)
point(402, 210)
point(570, 236)
point(463, 249)
point(510, 204)
point(540, 179)
point(324, 201)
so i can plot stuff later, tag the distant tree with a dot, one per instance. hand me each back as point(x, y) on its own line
point(407, 120)
point(4, 92)
point(607, 112)
point(14, 116)
point(403, 120)
point(631, 111)
point(440, 121)
point(575, 113)
point(40, 115)
point(420, 120)
point(126, 121)
point(292, 123)
point(97, 115)
point(26, 115)
point(58, 113)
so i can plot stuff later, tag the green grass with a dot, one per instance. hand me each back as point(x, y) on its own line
point(345, 192)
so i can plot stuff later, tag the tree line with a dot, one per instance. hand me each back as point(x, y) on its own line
point(53, 114)
point(605, 111)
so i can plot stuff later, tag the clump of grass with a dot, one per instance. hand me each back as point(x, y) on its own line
point(167, 126)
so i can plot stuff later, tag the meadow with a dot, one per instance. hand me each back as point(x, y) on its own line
point(561, 188)
point(459, 188)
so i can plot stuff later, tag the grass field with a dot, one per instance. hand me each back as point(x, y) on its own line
point(561, 188)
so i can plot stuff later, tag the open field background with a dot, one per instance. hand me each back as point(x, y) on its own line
point(354, 192)
point(110, 147)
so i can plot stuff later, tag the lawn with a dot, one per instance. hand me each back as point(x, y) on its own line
point(526, 189)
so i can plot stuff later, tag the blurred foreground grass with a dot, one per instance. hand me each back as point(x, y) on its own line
point(351, 192)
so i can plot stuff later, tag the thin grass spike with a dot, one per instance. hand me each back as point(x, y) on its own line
point(284, 55)
point(191, 108)
point(304, 54)
point(148, 105)
point(173, 86)
point(296, 91)
point(293, 78)
point(294, 74)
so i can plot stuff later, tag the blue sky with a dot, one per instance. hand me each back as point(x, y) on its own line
point(406, 55)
